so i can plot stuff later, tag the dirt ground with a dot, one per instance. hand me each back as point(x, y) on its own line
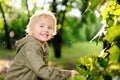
point(4, 65)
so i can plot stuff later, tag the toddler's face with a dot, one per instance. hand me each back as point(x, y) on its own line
point(43, 28)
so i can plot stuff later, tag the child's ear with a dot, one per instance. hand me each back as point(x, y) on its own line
point(31, 31)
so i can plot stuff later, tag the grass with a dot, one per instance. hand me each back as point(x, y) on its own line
point(77, 50)
point(69, 54)
point(4, 53)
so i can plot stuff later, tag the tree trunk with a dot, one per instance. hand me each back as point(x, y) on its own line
point(7, 38)
point(57, 44)
point(57, 38)
point(57, 41)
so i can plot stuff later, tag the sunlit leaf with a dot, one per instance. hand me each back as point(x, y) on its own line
point(112, 9)
point(115, 12)
point(114, 66)
point(114, 54)
point(112, 33)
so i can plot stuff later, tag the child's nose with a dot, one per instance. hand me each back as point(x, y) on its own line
point(46, 29)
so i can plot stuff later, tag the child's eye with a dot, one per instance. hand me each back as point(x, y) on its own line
point(41, 26)
point(50, 27)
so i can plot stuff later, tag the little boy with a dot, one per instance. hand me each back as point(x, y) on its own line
point(31, 60)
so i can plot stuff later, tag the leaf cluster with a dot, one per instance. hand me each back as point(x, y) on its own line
point(96, 68)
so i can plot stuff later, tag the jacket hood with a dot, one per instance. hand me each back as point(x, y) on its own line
point(23, 41)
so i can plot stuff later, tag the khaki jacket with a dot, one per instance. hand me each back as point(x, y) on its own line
point(31, 63)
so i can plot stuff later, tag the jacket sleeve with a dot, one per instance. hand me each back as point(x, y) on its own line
point(34, 58)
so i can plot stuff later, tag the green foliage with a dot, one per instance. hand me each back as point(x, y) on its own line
point(16, 21)
point(91, 24)
point(107, 65)
point(113, 38)
point(70, 31)
point(96, 68)
point(111, 15)
point(89, 20)
point(19, 25)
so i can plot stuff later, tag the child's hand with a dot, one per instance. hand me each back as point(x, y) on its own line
point(73, 73)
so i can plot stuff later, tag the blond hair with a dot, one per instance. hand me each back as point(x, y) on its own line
point(33, 19)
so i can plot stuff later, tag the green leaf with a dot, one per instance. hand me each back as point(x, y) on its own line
point(114, 54)
point(113, 34)
point(102, 62)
